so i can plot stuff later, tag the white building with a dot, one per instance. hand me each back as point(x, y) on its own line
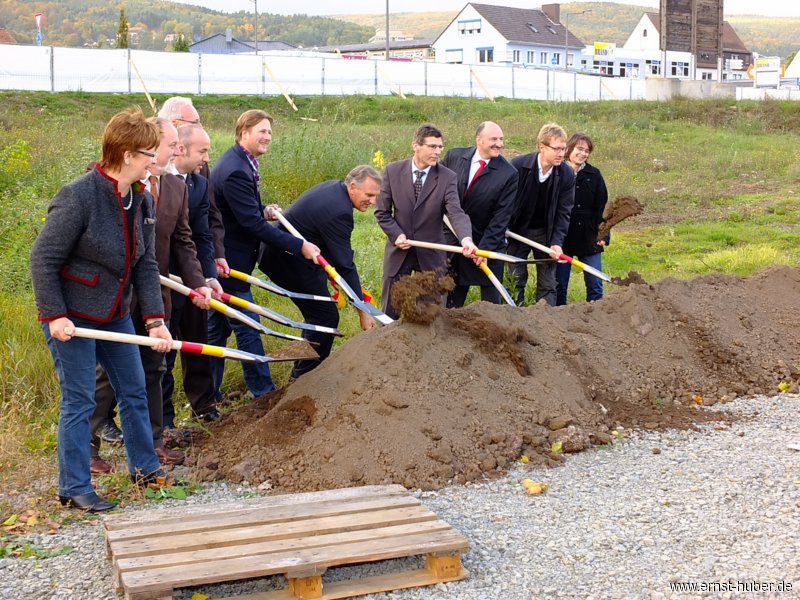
point(482, 33)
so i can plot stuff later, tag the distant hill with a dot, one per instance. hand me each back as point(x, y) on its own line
point(77, 23)
point(607, 22)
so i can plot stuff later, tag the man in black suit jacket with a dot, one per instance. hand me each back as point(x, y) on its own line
point(324, 216)
point(187, 321)
point(545, 195)
point(416, 193)
point(236, 190)
point(487, 186)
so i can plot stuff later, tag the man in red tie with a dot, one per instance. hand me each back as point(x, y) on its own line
point(487, 186)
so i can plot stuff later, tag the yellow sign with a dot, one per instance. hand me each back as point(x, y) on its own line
point(603, 50)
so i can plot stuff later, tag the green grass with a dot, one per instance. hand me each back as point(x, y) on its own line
point(718, 179)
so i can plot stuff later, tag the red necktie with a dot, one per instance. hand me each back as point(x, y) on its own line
point(478, 172)
point(154, 189)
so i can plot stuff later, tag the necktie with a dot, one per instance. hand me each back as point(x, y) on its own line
point(154, 188)
point(478, 172)
point(418, 183)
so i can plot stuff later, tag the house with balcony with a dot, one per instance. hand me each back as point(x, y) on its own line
point(486, 34)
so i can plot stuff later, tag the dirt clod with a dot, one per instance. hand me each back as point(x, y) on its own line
point(619, 209)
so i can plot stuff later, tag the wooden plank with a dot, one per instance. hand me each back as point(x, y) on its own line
point(140, 582)
point(172, 515)
point(125, 565)
point(373, 584)
point(282, 514)
point(274, 531)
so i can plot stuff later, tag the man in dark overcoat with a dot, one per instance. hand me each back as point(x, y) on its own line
point(487, 187)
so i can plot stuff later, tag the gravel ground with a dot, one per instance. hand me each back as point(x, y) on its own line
point(718, 505)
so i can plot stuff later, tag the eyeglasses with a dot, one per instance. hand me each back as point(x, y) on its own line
point(585, 151)
point(434, 146)
point(195, 122)
point(560, 150)
point(152, 155)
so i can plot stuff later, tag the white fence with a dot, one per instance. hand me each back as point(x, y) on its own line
point(56, 69)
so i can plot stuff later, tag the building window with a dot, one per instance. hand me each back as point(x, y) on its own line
point(455, 56)
point(706, 76)
point(644, 32)
point(570, 60)
point(653, 67)
point(516, 56)
point(471, 27)
point(531, 57)
point(556, 58)
point(485, 55)
point(543, 58)
point(679, 69)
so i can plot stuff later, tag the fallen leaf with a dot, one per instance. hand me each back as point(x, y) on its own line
point(557, 447)
point(783, 386)
point(199, 596)
point(524, 459)
point(10, 521)
point(697, 398)
point(534, 488)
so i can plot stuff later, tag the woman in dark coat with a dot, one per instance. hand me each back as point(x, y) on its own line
point(96, 245)
point(581, 242)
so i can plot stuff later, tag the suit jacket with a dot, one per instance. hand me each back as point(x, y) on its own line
point(239, 201)
point(174, 237)
point(199, 206)
point(561, 200)
point(398, 212)
point(324, 216)
point(489, 204)
point(214, 217)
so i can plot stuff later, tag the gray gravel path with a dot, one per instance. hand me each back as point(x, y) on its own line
point(714, 506)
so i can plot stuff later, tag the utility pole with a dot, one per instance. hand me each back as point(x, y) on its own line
point(255, 24)
point(387, 29)
point(566, 32)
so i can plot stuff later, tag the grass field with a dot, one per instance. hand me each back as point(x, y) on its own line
point(718, 180)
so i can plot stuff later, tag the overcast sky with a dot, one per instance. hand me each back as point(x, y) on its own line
point(780, 8)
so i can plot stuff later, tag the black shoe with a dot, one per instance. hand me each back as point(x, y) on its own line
point(211, 416)
point(110, 433)
point(90, 502)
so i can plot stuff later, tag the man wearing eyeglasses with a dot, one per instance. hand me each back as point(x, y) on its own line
point(415, 194)
point(545, 195)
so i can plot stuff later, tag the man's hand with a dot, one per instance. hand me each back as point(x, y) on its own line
point(402, 242)
point(269, 212)
point(222, 267)
point(367, 322)
point(216, 288)
point(601, 243)
point(57, 329)
point(557, 251)
point(202, 302)
point(162, 333)
point(310, 251)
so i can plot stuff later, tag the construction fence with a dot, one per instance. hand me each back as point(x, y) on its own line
point(55, 69)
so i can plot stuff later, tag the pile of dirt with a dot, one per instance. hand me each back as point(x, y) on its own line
point(465, 395)
point(616, 211)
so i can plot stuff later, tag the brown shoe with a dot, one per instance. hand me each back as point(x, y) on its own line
point(169, 457)
point(97, 466)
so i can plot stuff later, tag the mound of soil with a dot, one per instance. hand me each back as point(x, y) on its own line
point(465, 395)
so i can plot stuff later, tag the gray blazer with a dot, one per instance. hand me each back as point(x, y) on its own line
point(397, 212)
point(84, 262)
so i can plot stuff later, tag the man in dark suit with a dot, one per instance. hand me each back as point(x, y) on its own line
point(415, 195)
point(324, 216)
point(173, 241)
point(545, 195)
point(188, 322)
point(487, 186)
point(236, 189)
point(181, 112)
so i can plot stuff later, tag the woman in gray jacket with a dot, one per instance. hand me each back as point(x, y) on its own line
point(97, 244)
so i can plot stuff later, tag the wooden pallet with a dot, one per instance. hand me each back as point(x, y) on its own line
point(297, 535)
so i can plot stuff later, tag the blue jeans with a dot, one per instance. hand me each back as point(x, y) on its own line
point(594, 285)
point(256, 376)
point(75, 363)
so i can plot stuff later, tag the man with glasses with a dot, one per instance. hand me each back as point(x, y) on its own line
point(415, 194)
point(545, 195)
